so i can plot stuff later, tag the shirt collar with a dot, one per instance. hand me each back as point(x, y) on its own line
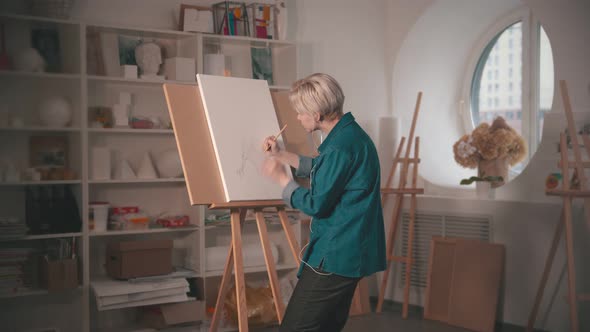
point(344, 121)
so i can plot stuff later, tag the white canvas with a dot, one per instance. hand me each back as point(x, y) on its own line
point(240, 114)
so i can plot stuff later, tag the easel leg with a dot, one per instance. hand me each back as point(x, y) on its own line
point(548, 264)
point(389, 250)
point(223, 287)
point(571, 270)
point(409, 256)
point(225, 280)
point(289, 233)
point(236, 235)
point(270, 265)
point(357, 307)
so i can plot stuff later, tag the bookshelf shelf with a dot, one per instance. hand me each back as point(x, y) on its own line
point(145, 231)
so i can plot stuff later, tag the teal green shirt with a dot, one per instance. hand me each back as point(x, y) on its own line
point(347, 232)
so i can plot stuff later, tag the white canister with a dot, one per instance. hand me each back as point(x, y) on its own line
point(217, 64)
point(98, 216)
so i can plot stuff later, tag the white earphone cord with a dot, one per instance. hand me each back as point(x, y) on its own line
point(304, 262)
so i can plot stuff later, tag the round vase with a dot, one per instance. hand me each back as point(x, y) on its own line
point(494, 167)
point(484, 190)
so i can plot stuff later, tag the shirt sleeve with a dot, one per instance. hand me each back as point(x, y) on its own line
point(288, 192)
point(304, 168)
point(329, 179)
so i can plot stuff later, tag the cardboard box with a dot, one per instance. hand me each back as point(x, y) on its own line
point(165, 315)
point(59, 275)
point(180, 69)
point(134, 259)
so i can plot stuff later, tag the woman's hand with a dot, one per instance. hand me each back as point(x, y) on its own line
point(275, 170)
point(270, 145)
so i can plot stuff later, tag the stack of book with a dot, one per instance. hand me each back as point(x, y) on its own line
point(14, 278)
point(12, 228)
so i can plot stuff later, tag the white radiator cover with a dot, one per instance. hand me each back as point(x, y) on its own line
point(428, 224)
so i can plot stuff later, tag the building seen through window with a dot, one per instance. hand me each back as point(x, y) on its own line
point(506, 97)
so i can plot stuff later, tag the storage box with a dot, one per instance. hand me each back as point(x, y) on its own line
point(134, 259)
point(165, 315)
point(180, 69)
point(59, 275)
point(129, 71)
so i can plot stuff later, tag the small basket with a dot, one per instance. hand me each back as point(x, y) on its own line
point(52, 8)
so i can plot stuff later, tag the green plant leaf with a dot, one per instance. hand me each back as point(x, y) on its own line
point(485, 178)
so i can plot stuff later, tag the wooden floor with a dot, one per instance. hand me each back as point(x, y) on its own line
point(391, 320)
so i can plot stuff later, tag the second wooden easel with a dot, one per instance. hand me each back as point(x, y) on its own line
point(568, 194)
point(234, 262)
point(399, 193)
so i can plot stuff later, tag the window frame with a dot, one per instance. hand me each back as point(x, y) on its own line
point(530, 76)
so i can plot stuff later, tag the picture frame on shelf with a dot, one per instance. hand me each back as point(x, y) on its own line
point(48, 152)
point(262, 64)
point(195, 18)
point(127, 45)
point(46, 42)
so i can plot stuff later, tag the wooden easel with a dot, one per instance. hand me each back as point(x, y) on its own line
point(399, 193)
point(234, 262)
point(568, 194)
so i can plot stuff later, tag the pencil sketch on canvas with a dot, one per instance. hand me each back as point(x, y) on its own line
point(240, 114)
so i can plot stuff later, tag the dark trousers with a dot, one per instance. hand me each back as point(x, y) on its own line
point(319, 302)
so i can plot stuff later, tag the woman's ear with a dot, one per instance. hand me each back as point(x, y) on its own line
point(317, 117)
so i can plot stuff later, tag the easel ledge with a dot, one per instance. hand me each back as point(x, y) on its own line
point(247, 204)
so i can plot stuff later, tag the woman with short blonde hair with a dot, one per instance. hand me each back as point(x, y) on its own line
point(319, 93)
point(347, 240)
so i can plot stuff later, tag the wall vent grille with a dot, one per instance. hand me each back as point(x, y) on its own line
point(429, 224)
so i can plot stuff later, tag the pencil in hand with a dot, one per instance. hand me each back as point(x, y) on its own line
point(267, 147)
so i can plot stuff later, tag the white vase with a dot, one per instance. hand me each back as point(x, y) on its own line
point(55, 112)
point(484, 190)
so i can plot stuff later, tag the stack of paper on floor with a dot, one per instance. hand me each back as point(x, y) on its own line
point(115, 294)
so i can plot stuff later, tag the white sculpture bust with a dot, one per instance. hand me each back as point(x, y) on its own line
point(149, 58)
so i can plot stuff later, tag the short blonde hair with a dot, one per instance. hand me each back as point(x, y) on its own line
point(318, 93)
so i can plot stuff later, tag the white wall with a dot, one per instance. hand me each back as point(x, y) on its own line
point(345, 38)
point(432, 58)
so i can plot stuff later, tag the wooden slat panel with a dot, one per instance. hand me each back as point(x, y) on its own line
point(438, 289)
point(477, 274)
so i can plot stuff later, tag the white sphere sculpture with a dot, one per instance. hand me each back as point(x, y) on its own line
point(55, 112)
point(168, 164)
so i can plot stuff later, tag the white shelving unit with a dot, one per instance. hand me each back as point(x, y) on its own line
point(20, 93)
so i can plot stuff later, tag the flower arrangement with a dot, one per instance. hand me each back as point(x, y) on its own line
point(497, 143)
